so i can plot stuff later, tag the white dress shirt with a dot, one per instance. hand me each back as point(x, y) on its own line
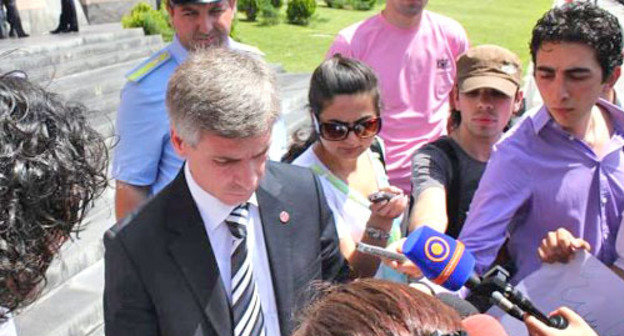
point(213, 212)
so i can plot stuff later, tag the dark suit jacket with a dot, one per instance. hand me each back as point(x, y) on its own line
point(161, 276)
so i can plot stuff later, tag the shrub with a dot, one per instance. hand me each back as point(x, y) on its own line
point(152, 21)
point(300, 11)
point(250, 8)
point(336, 3)
point(270, 15)
point(362, 4)
point(277, 3)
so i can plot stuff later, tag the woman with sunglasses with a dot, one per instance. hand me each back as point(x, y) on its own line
point(345, 103)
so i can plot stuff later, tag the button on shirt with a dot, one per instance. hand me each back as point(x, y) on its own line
point(540, 178)
point(213, 212)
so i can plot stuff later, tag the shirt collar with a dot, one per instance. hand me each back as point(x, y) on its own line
point(180, 53)
point(211, 209)
point(541, 118)
point(177, 50)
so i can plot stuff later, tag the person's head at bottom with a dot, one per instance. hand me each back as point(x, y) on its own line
point(222, 105)
point(370, 307)
point(52, 167)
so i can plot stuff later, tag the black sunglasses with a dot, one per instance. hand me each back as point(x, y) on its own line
point(336, 130)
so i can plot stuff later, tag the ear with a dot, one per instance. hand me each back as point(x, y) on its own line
point(179, 145)
point(518, 101)
point(454, 98)
point(169, 7)
point(613, 78)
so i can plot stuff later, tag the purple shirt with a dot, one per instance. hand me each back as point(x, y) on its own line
point(539, 178)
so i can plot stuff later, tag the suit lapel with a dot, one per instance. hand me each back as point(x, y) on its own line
point(278, 241)
point(191, 250)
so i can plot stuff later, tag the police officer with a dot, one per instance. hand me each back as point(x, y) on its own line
point(144, 160)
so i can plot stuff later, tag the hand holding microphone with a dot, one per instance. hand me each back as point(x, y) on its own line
point(577, 326)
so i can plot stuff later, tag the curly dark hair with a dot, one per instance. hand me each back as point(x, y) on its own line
point(338, 75)
point(374, 307)
point(585, 23)
point(52, 167)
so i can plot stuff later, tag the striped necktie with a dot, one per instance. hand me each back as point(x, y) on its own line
point(246, 310)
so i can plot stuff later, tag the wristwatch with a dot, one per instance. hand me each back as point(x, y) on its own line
point(376, 233)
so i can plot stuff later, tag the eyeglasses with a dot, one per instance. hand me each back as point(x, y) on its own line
point(336, 130)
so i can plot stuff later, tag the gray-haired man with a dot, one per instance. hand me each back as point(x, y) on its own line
point(228, 245)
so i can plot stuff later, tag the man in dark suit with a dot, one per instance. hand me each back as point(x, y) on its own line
point(231, 244)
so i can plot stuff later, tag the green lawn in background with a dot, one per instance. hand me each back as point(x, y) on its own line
point(301, 49)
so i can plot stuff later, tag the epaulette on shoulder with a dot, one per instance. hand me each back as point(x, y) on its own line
point(151, 64)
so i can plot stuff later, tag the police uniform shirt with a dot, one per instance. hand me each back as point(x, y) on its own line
point(144, 155)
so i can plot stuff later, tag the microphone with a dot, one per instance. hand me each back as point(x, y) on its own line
point(461, 306)
point(483, 325)
point(442, 259)
point(445, 261)
point(507, 306)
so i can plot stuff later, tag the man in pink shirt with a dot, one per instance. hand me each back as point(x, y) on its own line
point(413, 52)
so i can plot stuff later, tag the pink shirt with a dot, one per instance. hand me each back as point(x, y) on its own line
point(416, 69)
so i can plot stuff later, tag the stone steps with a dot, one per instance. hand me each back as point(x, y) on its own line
point(73, 309)
point(61, 64)
point(94, 83)
point(43, 44)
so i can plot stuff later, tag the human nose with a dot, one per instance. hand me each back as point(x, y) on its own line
point(352, 137)
point(561, 87)
point(205, 24)
point(248, 175)
point(485, 100)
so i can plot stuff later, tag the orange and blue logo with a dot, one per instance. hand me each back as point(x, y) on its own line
point(437, 249)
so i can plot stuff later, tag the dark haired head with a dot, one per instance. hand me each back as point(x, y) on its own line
point(52, 167)
point(337, 75)
point(370, 307)
point(340, 75)
point(583, 23)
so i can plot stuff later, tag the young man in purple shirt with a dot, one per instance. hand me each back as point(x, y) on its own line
point(563, 166)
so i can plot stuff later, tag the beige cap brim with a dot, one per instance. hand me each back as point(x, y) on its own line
point(478, 82)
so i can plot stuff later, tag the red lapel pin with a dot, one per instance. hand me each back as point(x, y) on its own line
point(284, 217)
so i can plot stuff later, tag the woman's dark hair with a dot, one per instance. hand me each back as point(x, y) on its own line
point(52, 167)
point(371, 307)
point(337, 75)
point(584, 23)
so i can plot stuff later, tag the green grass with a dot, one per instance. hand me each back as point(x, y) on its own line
point(300, 49)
